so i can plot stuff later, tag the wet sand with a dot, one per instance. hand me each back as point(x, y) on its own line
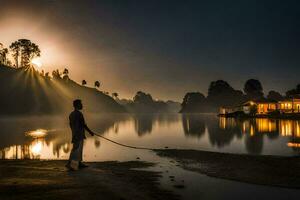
point(264, 170)
point(33, 179)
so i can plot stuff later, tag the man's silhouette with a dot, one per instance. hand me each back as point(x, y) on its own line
point(78, 127)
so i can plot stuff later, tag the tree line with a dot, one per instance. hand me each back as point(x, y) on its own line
point(221, 93)
point(22, 51)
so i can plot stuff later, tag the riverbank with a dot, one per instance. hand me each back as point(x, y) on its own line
point(264, 170)
point(242, 115)
point(33, 179)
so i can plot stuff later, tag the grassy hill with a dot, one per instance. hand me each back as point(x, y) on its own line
point(27, 92)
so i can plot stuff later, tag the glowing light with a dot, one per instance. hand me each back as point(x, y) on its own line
point(37, 148)
point(295, 145)
point(37, 133)
point(37, 62)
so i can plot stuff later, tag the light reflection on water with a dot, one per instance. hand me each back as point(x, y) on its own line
point(49, 137)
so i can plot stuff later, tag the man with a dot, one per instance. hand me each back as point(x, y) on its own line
point(78, 127)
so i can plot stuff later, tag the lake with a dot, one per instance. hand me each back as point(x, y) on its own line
point(49, 137)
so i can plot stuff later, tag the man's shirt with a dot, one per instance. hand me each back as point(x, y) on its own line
point(77, 125)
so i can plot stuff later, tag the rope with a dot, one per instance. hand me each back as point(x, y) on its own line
point(124, 145)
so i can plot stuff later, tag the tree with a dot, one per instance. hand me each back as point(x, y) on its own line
point(220, 93)
point(293, 92)
point(26, 49)
point(273, 95)
point(253, 89)
point(66, 71)
point(97, 84)
point(66, 74)
point(56, 74)
point(115, 95)
point(83, 82)
point(15, 47)
point(3, 54)
point(142, 98)
point(193, 102)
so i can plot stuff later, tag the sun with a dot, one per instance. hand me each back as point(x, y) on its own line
point(37, 62)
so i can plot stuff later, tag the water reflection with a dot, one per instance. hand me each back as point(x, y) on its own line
point(222, 131)
point(193, 126)
point(143, 124)
point(49, 137)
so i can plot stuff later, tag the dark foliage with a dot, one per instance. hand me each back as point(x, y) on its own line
point(253, 89)
point(294, 92)
point(144, 103)
point(193, 102)
point(275, 96)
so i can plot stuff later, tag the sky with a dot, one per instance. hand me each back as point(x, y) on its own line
point(164, 47)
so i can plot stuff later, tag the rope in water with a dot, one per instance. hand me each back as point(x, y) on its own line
point(124, 145)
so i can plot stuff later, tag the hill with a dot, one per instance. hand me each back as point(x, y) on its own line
point(26, 91)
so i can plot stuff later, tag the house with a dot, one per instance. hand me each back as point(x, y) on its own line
point(289, 105)
point(265, 106)
point(262, 106)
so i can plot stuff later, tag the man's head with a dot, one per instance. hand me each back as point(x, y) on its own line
point(77, 104)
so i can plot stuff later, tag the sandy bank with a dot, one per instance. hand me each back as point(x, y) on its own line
point(265, 170)
point(32, 179)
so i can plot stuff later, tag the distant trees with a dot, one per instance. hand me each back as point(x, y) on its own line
point(220, 93)
point(193, 102)
point(144, 103)
point(3, 54)
point(275, 96)
point(66, 74)
point(97, 84)
point(293, 92)
point(83, 82)
point(115, 95)
point(56, 74)
point(253, 89)
point(142, 98)
point(24, 50)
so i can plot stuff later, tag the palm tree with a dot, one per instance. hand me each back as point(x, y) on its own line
point(115, 95)
point(83, 82)
point(97, 84)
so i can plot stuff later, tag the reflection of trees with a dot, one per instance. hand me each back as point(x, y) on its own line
point(97, 143)
point(193, 125)
point(254, 144)
point(166, 119)
point(103, 123)
point(222, 135)
point(143, 124)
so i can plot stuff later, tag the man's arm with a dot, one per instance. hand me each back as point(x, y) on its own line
point(89, 130)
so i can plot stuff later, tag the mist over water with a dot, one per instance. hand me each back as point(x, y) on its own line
point(49, 137)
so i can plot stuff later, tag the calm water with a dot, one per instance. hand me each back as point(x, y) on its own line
point(49, 137)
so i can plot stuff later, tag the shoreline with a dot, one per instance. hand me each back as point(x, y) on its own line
point(39, 179)
point(266, 170)
point(292, 116)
